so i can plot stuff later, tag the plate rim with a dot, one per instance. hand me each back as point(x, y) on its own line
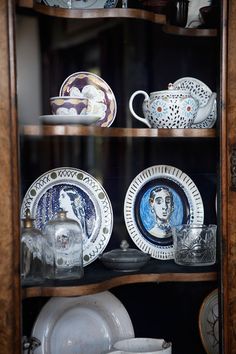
point(206, 88)
point(93, 248)
point(213, 295)
point(105, 300)
point(149, 174)
point(99, 78)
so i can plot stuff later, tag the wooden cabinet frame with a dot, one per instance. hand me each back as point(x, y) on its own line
point(10, 296)
point(9, 204)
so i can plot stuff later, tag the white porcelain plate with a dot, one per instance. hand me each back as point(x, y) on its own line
point(83, 325)
point(201, 92)
point(89, 85)
point(158, 198)
point(81, 119)
point(84, 199)
point(93, 4)
point(209, 323)
point(82, 4)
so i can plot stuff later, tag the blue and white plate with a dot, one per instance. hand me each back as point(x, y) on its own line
point(84, 199)
point(80, 4)
point(158, 198)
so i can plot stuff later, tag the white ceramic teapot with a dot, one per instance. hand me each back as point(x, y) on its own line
point(172, 108)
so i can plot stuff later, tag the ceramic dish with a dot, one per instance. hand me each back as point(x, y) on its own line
point(89, 85)
point(93, 4)
point(200, 92)
point(124, 259)
point(157, 199)
point(209, 323)
point(82, 196)
point(82, 119)
point(86, 324)
point(81, 4)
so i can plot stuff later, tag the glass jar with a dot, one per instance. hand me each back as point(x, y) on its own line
point(31, 251)
point(63, 251)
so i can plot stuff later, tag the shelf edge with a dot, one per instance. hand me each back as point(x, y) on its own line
point(87, 289)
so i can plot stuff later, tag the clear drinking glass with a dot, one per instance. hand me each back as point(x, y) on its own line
point(194, 245)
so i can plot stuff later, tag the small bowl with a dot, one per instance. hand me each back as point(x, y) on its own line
point(72, 106)
point(125, 259)
point(210, 16)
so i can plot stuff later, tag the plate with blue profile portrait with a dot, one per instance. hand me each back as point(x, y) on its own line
point(158, 198)
point(84, 199)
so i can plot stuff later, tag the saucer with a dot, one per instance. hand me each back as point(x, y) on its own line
point(88, 85)
point(202, 93)
point(82, 119)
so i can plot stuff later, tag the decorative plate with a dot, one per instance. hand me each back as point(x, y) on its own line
point(81, 119)
point(85, 324)
point(93, 4)
point(202, 93)
point(84, 199)
point(158, 198)
point(89, 85)
point(209, 323)
point(81, 4)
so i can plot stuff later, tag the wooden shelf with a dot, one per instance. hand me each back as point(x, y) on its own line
point(71, 130)
point(189, 32)
point(100, 13)
point(117, 13)
point(98, 278)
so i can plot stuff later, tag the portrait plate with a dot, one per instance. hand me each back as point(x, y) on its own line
point(84, 199)
point(87, 324)
point(158, 198)
point(209, 323)
point(88, 85)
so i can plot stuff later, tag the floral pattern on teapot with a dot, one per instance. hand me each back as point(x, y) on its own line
point(172, 108)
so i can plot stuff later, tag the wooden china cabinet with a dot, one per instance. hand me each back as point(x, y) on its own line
point(163, 300)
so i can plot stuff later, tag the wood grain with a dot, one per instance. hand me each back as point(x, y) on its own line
point(117, 281)
point(45, 130)
point(99, 13)
point(228, 219)
point(10, 338)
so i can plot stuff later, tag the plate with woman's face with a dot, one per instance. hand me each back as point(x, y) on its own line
point(88, 85)
point(84, 199)
point(158, 198)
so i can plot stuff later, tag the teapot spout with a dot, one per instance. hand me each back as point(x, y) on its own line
point(203, 112)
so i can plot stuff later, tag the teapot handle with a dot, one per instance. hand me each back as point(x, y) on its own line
point(146, 97)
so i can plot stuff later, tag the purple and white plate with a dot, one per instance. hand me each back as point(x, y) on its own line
point(89, 85)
